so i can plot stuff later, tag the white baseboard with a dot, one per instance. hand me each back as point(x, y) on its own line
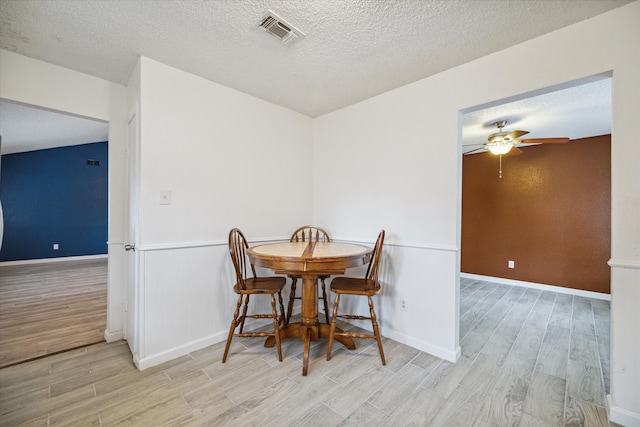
point(113, 336)
point(181, 350)
point(622, 416)
point(60, 259)
point(442, 353)
point(552, 288)
point(174, 353)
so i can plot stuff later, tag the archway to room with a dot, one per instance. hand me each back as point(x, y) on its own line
point(540, 198)
point(55, 196)
point(541, 233)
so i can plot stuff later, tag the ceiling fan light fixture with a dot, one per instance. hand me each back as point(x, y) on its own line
point(500, 148)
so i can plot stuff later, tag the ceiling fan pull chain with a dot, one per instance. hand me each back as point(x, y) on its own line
point(500, 174)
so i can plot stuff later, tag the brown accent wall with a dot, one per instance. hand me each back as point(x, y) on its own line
point(550, 213)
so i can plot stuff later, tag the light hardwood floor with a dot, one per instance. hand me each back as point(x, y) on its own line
point(50, 307)
point(530, 358)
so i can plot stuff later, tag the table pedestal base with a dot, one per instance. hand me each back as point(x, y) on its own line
point(308, 334)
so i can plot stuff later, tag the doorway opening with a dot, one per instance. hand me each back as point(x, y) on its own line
point(519, 229)
point(54, 257)
point(524, 213)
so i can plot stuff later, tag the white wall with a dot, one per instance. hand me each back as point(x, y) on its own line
point(40, 84)
point(229, 160)
point(395, 164)
point(390, 162)
point(391, 168)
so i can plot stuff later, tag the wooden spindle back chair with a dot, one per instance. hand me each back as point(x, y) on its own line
point(246, 286)
point(367, 286)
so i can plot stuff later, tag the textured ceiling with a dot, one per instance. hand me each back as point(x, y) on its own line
point(581, 110)
point(25, 128)
point(353, 49)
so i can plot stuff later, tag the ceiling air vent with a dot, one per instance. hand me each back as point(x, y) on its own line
point(272, 24)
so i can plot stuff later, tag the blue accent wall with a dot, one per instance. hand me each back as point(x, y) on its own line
point(58, 195)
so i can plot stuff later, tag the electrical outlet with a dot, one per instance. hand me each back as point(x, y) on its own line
point(56, 246)
point(403, 305)
point(512, 264)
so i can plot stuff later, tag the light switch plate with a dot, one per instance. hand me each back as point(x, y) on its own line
point(165, 197)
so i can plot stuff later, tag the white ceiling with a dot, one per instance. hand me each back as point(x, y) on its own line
point(25, 128)
point(353, 49)
point(579, 109)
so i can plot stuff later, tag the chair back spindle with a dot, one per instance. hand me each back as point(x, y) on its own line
point(238, 251)
point(374, 264)
point(310, 233)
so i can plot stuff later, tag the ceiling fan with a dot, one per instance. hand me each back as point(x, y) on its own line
point(503, 142)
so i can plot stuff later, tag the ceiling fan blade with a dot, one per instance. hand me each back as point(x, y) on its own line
point(516, 134)
point(472, 145)
point(472, 151)
point(515, 151)
point(544, 141)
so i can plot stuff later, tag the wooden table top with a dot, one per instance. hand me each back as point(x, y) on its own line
point(309, 256)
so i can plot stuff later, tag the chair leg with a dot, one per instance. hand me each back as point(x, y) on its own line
point(282, 319)
point(234, 324)
point(276, 324)
point(376, 330)
point(333, 325)
point(324, 300)
point(292, 297)
point(244, 313)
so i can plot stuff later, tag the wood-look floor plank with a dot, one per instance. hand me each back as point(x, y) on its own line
point(545, 398)
point(580, 413)
point(426, 361)
point(515, 370)
point(296, 406)
point(561, 313)
point(75, 414)
point(462, 408)
point(353, 368)
point(36, 406)
point(475, 314)
point(554, 352)
point(50, 307)
point(366, 415)
point(584, 382)
point(399, 358)
point(418, 409)
point(354, 394)
point(584, 349)
point(143, 403)
point(603, 327)
point(321, 416)
point(504, 402)
point(604, 351)
point(482, 374)
point(473, 343)
point(530, 421)
point(447, 376)
point(523, 355)
point(402, 384)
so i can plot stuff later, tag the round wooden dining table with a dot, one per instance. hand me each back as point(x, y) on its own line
point(309, 260)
